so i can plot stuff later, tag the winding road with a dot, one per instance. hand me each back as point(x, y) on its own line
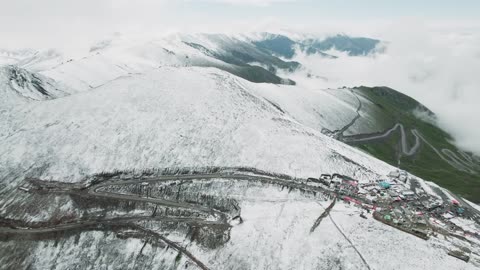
point(363, 138)
point(465, 162)
point(87, 190)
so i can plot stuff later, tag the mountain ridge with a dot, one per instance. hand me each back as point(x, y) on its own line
point(157, 155)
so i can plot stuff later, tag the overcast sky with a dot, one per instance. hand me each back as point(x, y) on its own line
point(437, 41)
point(34, 23)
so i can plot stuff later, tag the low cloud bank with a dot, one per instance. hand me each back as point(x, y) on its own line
point(438, 68)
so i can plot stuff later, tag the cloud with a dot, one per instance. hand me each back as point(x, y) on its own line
point(250, 2)
point(438, 67)
point(74, 24)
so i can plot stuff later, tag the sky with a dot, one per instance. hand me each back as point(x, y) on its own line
point(433, 52)
point(33, 23)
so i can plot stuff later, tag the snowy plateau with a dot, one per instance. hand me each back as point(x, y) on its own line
point(170, 154)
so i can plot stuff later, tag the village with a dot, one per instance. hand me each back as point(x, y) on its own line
point(401, 202)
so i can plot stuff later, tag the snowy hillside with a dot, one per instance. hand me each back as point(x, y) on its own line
point(255, 56)
point(212, 118)
point(17, 85)
point(119, 56)
point(8, 57)
point(176, 117)
point(31, 59)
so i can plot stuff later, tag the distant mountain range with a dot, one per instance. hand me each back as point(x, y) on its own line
point(285, 47)
point(253, 57)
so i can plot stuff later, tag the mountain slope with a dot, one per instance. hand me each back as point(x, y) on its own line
point(354, 46)
point(148, 96)
point(254, 57)
point(31, 59)
point(374, 119)
point(121, 57)
point(187, 117)
point(286, 47)
point(17, 84)
point(399, 130)
point(436, 158)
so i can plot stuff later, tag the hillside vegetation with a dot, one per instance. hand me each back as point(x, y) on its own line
point(437, 158)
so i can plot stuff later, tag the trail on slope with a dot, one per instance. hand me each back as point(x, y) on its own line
point(327, 213)
point(339, 132)
point(323, 215)
point(351, 243)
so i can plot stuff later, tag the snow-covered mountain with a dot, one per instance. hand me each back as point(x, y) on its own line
point(31, 59)
point(18, 84)
point(255, 57)
point(86, 148)
point(8, 57)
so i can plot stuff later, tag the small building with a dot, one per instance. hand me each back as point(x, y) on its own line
point(325, 177)
point(394, 174)
point(318, 182)
point(314, 180)
point(408, 194)
point(420, 223)
point(398, 212)
point(459, 255)
point(448, 215)
point(350, 182)
point(420, 233)
point(384, 185)
point(392, 193)
point(434, 206)
point(24, 189)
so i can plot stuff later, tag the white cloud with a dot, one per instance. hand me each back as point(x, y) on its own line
point(250, 2)
point(74, 24)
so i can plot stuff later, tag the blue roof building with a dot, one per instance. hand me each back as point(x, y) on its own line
point(384, 185)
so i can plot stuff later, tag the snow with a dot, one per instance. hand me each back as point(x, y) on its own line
point(135, 106)
point(159, 119)
point(279, 234)
point(427, 187)
point(306, 106)
point(9, 57)
point(476, 206)
point(32, 59)
point(468, 225)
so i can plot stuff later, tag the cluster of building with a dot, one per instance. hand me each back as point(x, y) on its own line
point(400, 202)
